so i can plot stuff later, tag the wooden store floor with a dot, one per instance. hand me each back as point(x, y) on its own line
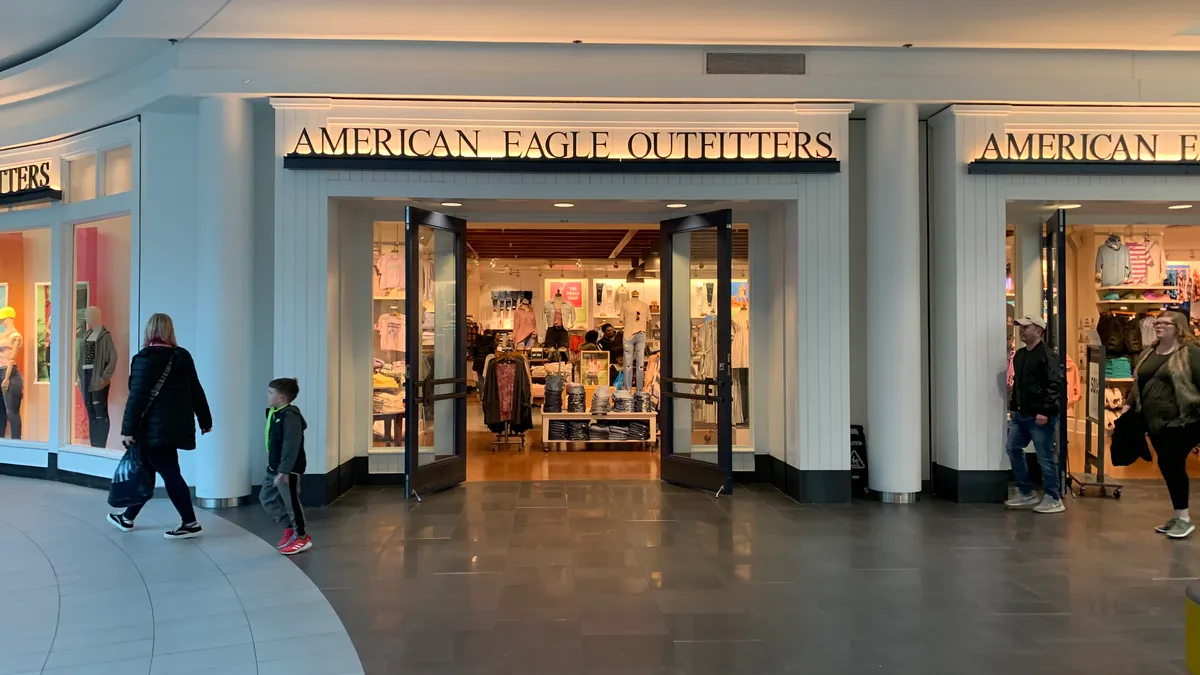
point(510, 464)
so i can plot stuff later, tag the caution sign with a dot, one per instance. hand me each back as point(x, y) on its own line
point(858, 460)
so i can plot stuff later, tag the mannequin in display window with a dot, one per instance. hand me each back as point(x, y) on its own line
point(634, 315)
point(560, 317)
point(12, 386)
point(95, 362)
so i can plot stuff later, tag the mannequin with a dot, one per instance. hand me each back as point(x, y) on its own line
point(12, 386)
point(560, 317)
point(95, 363)
point(524, 326)
point(634, 314)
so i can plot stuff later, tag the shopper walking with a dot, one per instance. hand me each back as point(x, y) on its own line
point(164, 397)
point(1033, 416)
point(1166, 393)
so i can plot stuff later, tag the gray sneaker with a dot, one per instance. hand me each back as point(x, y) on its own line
point(1180, 529)
point(1023, 501)
point(1050, 505)
point(1166, 527)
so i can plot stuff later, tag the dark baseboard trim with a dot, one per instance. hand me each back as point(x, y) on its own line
point(810, 487)
point(363, 475)
point(760, 474)
point(971, 487)
point(51, 472)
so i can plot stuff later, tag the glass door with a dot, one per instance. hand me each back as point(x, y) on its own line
point(1054, 262)
point(696, 415)
point(436, 383)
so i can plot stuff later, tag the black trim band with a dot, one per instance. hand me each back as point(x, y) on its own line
point(521, 165)
point(44, 194)
point(1054, 167)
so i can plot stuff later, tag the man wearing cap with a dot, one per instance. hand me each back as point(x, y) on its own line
point(1033, 416)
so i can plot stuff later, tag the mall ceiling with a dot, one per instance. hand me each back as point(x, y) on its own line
point(29, 29)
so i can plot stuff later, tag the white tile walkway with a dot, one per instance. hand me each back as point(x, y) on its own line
point(79, 597)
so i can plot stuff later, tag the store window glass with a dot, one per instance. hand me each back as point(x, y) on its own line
point(81, 176)
point(25, 335)
point(389, 340)
point(118, 170)
point(100, 310)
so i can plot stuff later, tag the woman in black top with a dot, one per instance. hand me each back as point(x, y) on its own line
point(160, 428)
point(1166, 393)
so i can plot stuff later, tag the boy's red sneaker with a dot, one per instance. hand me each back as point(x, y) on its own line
point(298, 544)
point(288, 535)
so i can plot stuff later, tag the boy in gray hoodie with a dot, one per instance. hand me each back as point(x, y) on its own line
point(286, 463)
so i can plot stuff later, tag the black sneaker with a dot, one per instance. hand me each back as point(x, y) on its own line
point(184, 532)
point(119, 521)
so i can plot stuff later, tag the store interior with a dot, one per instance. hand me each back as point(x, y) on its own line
point(1126, 262)
point(550, 400)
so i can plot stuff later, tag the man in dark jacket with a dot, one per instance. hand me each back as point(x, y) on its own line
point(1033, 414)
point(286, 463)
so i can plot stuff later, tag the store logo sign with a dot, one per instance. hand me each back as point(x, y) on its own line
point(563, 144)
point(25, 178)
point(1091, 147)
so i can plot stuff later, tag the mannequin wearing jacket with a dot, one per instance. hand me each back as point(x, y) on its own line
point(95, 363)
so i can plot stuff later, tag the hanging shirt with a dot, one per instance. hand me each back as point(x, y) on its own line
point(1156, 269)
point(740, 355)
point(524, 324)
point(390, 268)
point(1139, 262)
point(391, 332)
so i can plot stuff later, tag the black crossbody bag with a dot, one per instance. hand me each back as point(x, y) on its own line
point(162, 379)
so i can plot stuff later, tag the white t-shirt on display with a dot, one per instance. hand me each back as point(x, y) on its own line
point(633, 317)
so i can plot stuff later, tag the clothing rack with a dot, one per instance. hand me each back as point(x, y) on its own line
point(507, 436)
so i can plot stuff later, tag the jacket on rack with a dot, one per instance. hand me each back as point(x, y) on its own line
point(520, 417)
point(1037, 381)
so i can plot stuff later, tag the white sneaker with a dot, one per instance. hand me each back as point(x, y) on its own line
point(1050, 505)
point(1022, 501)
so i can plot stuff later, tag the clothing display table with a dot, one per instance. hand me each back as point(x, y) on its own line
point(393, 426)
point(633, 427)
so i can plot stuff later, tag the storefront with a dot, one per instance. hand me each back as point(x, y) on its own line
point(69, 219)
point(347, 168)
point(1003, 180)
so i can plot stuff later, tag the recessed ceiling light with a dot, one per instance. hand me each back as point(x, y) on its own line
point(564, 205)
point(676, 206)
point(451, 203)
point(1069, 206)
point(1179, 206)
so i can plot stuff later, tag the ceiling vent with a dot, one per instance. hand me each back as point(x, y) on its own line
point(775, 63)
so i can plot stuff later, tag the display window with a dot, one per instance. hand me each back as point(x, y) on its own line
point(25, 332)
point(101, 314)
point(390, 350)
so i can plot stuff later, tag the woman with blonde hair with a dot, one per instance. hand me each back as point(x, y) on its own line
point(165, 400)
point(1165, 392)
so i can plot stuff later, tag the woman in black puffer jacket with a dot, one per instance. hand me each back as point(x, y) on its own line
point(162, 425)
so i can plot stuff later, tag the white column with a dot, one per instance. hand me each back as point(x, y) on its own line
point(224, 249)
point(893, 302)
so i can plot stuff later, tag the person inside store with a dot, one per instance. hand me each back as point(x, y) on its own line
point(1033, 415)
point(1167, 394)
point(12, 386)
point(612, 341)
point(165, 402)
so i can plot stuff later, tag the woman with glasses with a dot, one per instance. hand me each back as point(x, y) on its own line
point(1166, 393)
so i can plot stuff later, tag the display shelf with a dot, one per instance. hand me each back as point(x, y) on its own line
point(1143, 301)
point(1110, 289)
point(1118, 380)
point(651, 417)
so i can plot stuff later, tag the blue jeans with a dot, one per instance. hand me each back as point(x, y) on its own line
point(635, 358)
point(1021, 430)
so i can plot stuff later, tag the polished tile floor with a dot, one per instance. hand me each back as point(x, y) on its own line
point(643, 578)
point(78, 597)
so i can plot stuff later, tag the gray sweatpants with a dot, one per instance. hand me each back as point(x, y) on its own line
point(282, 501)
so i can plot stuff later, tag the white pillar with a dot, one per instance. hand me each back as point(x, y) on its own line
point(224, 249)
point(893, 269)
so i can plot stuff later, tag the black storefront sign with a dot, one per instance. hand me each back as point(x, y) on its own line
point(27, 183)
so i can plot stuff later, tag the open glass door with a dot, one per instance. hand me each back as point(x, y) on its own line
point(436, 383)
point(696, 416)
point(1054, 259)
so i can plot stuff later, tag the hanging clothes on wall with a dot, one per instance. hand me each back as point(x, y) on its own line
point(1112, 262)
